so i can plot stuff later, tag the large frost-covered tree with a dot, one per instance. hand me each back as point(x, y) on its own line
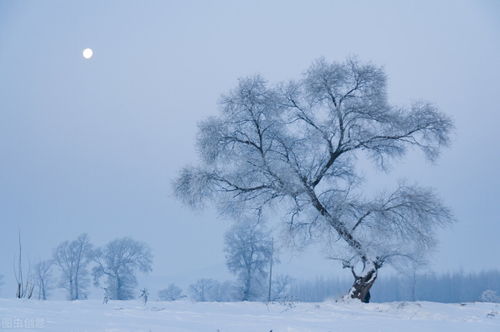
point(248, 248)
point(73, 259)
point(119, 261)
point(294, 147)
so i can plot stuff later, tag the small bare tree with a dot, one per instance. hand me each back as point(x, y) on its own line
point(118, 261)
point(43, 278)
point(73, 259)
point(293, 147)
point(23, 275)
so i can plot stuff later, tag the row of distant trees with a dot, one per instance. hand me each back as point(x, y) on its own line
point(211, 290)
point(249, 250)
point(446, 288)
point(74, 263)
point(250, 255)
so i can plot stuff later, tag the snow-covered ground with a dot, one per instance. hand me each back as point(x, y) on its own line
point(93, 316)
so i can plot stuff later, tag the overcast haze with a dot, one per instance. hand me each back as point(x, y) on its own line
point(93, 145)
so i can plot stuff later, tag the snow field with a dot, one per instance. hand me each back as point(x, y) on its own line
point(132, 316)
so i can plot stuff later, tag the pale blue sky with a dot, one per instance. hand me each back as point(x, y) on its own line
point(92, 146)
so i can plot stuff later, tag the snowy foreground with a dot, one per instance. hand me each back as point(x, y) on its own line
point(93, 316)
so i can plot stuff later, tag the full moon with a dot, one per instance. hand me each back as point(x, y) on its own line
point(87, 53)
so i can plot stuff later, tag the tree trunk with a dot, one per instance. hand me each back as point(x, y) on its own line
point(71, 289)
point(414, 286)
point(77, 295)
point(270, 272)
point(362, 285)
point(246, 291)
point(42, 290)
point(247, 286)
point(118, 288)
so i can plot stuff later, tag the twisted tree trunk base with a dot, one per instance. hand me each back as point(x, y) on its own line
point(361, 287)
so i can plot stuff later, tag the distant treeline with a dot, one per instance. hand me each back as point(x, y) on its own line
point(447, 288)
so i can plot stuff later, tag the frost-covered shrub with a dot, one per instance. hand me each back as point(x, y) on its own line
point(171, 293)
point(490, 296)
